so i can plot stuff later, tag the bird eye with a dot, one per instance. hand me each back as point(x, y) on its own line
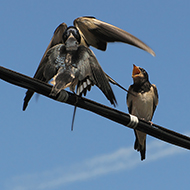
point(71, 30)
point(75, 32)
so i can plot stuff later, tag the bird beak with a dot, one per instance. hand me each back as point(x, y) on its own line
point(136, 71)
point(71, 43)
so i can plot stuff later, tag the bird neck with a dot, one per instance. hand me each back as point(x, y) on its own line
point(142, 87)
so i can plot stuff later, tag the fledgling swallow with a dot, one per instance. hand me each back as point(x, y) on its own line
point(141, 103)
point(93, 32)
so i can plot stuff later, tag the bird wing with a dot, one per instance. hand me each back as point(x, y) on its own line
point(129, 99)
point(91, 69)
point(56, 39)
point(115, 82)
point(155, 98)
point(97, 33)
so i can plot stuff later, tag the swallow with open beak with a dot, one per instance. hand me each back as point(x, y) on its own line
point(141, 102)
point(92, 32)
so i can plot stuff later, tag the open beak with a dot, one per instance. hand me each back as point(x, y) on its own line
point(136, 71)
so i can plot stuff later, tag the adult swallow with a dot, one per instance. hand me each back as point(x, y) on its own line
point(141, 102)
point(92, 32)
point(70, 64)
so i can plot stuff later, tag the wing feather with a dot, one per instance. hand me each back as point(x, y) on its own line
point(56, 39)
point(97, 33)
point(129, 100)
point(155, 98)
point(92, 74)
point(100, 79)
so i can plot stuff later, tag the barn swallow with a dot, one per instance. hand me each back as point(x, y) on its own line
point(142, 104)
point(93, 32)
point(70, 64)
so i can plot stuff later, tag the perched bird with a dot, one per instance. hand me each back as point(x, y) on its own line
point(141, 103)
point(92, 32)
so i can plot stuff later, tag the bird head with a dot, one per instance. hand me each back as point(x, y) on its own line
point(139, 75)
point(71, 38)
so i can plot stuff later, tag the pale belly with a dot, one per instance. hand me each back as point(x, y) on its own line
point(143, 107)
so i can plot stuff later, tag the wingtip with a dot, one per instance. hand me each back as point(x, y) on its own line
point(114, 102)
point(153, 53)
point(24, 106)
point(143, 154)
point(149, 50)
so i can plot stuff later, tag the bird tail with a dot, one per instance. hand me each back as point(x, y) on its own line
point(140, 146)
point(27, 98)
point(84, 86)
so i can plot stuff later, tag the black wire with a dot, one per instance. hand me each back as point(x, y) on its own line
point(107, 112)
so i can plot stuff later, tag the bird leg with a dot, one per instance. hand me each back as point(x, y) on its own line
point(151, 123)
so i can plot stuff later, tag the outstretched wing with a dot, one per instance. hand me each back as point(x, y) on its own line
point(97, 33)
point(91, 69)
point(56, 39)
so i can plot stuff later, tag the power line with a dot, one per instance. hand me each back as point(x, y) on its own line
point(105, 111)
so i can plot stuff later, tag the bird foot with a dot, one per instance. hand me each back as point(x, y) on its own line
point(151, 123)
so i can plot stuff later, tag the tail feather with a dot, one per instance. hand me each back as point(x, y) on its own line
point(84, 86)
point(142, 149)
point(140, 146)
point(27, 98)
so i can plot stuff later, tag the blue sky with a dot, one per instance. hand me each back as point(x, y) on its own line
point(37, 148)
